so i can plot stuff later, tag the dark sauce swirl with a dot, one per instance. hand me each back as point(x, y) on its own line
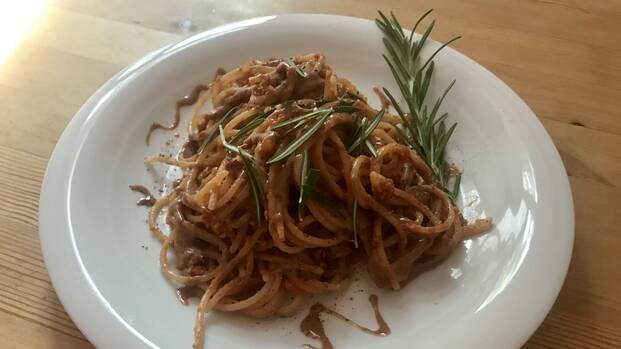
point(312, 326)
point(147, 200)
point(185, 101)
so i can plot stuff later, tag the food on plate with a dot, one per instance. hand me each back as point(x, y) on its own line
point(291, 178)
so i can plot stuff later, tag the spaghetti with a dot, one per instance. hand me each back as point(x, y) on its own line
point(289, 177)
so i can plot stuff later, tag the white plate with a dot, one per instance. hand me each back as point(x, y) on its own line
point(493, 292)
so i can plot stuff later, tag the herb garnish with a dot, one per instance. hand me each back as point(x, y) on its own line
point(298, 70)
point(258, 120)
point(214, 132)
point(320, 115)
point(251, 169)
point(422, 129)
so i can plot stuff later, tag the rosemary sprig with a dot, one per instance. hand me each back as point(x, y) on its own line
point(214, 132)
point(298, 70)
point(421, 128)
point(251, 172)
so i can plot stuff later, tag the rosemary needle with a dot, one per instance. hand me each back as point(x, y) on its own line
point(251, 173)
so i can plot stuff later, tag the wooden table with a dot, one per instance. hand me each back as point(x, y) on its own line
point(562, 57)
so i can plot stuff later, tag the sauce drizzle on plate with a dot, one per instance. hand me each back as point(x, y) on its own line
point(312, 326)
point(185, 101)
point(147, 200)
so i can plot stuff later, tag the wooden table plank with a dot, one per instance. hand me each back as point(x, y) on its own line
point(18, 332)
point(562, 57)
point(587, 153)
point(40, 90)
point(96, 38)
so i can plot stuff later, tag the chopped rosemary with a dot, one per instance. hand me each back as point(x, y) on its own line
point(320, 115)
point(298, 70)
point(242, 132)
point(308, 184)
point(320, 101)
point(422, 129)
point(303, 175)
point(344, 109)
point(371, 148)
point(214, 132)
point(297, 143)
point(301, 125)
point(352, 95)
point(315, 113)
point(358, 130)
point(257, 190)
point(456, 185)
point(251, 173)
point(363, 132)
point(310, 192)
point(258, 120)
point(295, 120)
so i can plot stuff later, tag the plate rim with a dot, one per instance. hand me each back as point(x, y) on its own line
point(91, 313)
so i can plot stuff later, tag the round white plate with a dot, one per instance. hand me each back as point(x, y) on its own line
point(492, 292)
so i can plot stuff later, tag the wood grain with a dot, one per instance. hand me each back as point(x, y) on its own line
point(562, 56)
